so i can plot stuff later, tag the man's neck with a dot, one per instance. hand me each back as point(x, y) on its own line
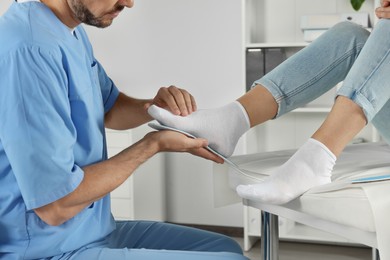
point(62, 10)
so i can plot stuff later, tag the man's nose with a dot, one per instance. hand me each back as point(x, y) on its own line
point(126, 3)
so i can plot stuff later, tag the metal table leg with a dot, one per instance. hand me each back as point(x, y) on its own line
point(269, 236)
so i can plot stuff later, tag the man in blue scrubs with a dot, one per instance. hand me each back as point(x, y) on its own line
point(56, 101)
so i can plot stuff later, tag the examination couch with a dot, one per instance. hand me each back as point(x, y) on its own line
point(356, 205)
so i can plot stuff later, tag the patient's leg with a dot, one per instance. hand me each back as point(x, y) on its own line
point(362, 98)
point(313, 163)
point(297, 81)
point(343, 123)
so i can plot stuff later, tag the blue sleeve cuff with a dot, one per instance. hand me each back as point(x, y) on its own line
point(110, 101)
point(57, 191)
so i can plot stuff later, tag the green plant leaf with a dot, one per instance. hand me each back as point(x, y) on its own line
point(356, 4)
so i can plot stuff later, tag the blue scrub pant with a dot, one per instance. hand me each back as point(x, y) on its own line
point(349, 53)
point(147, 240)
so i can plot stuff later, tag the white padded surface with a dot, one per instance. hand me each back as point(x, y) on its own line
point(348, 206)
point(340, 201)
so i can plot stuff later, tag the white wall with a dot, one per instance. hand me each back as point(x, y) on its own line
point(192, 44)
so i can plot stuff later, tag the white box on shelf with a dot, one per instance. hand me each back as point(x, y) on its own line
point(315, 25)
point(325, 21)
point(362, 19)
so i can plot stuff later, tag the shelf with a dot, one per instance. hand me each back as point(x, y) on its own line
point(305, 233)
point(277, 45)
point(312, 110)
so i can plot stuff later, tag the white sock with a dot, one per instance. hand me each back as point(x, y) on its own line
point(222, 126)
point(310, 166)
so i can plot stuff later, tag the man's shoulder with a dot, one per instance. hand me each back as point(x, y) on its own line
point(21, 27)
point(14, 28)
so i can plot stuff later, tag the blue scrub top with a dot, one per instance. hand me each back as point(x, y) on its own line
point(53, 97)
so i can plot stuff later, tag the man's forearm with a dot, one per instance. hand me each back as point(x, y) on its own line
point(99, 180)
point(127, 113)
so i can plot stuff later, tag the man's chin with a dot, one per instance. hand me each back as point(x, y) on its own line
point(101, 24)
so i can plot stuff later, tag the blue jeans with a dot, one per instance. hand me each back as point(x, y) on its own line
point(148, 240)
point(348, 53)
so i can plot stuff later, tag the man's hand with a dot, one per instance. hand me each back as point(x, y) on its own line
point(176, 100)
point(179, 102)
point(384, 10)
point(385, 3)
point(170, 141)
point(129, 112)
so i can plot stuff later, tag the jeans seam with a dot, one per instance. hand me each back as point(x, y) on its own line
point(358, 90)
point(368, 107)
point(319, 75)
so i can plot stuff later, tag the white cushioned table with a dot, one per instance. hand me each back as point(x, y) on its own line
point(356, 211)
